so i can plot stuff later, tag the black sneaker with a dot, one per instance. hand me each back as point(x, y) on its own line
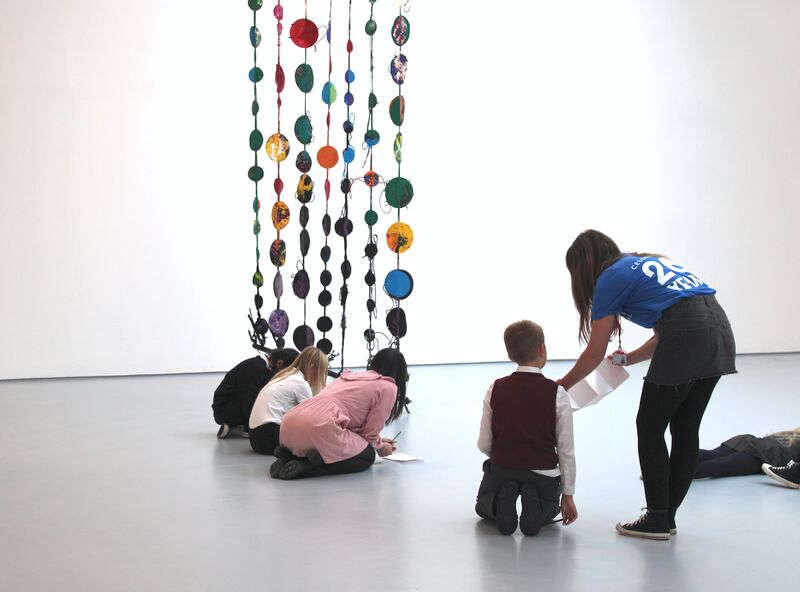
point(671, 516)
point(282, 455)
point(653, 524)
point(530, 521)
point(787, 475)
point(229, 431)
point(295, 469)
point(314, 457)
point(506, 514)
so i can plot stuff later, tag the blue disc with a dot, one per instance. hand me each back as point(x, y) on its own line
point(349, 76)
point(348, 154)
point(398, 284)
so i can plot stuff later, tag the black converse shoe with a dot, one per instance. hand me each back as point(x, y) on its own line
point(653, 524)
point(530, 521)
point(506, 513)
point(787, 475)
point(224, 430)
point(671, 515)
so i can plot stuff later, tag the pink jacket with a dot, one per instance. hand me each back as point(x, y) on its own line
point(343, 419)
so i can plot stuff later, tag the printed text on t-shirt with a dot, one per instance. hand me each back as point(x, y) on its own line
point(666, 271)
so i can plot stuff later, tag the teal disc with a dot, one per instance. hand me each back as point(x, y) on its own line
point(256, 140)
point(399, 192)
point(304, 78)
point(303, 130)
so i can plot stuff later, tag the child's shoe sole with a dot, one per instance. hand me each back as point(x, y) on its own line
point(506, 515)
point(653, 536)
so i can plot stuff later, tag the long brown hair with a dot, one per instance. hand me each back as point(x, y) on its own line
point(590, 253)
point(390, 362)
point(313, 364)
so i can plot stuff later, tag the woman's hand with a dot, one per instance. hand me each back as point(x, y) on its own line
point(619, 358)
point(568, 510)
point(387, 448)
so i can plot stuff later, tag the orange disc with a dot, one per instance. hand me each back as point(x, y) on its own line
point(327, 157)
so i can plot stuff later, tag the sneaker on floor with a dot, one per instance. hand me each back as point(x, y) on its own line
point(275, 468)
point(506, 514)
point(281, 452)
point(295, 469)
point(531, 518)
point(787, 475)
point(229, 431)
point(314, 457)
point(671, 517)
point(653, 524)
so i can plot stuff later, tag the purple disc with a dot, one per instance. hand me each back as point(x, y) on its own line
point(278, 322)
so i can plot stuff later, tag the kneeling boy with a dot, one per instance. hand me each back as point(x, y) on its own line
point(526, 431)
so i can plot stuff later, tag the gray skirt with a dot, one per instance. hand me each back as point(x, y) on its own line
point(694, 341)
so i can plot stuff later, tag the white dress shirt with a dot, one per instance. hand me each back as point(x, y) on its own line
point(276, 398)
point(565, 439)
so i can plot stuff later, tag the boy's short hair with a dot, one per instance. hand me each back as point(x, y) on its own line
point(523, 340)
point(286, 355)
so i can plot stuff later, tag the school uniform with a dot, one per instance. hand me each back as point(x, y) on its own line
point(526, 431)
point(695, 347)
point(272, 403)
point(235, 395)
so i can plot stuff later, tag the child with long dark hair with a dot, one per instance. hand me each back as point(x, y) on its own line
point(338, 431)
point(691, 347)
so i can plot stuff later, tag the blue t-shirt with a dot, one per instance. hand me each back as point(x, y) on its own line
point(640, 289)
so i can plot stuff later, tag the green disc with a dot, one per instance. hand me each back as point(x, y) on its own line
point(256, 140)
point(397, 110)
point(303, 129)
point(399, 192)
point(371, 217)
point(304, 78)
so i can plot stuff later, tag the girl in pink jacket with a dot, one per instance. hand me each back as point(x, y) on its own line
point(338, 431)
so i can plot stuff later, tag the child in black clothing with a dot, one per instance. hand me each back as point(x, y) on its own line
point(526, 431)
point(235, 395)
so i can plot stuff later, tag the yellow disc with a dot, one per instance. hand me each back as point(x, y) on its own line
point(277, 147)
point(280, 215)
point(399, 237)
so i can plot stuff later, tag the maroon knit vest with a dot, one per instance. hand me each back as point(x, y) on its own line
point(524, 422)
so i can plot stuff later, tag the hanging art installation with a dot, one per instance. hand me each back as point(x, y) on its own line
point(304, 34)
point(397, 193)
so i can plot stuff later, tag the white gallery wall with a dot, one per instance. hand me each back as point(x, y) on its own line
point(125, 209)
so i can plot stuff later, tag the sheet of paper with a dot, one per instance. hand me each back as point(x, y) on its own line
point(401, 457)
point(605, 379)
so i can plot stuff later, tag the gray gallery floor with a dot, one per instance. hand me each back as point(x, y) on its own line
point(120, 484)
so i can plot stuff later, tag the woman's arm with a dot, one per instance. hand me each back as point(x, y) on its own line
point(593, 354)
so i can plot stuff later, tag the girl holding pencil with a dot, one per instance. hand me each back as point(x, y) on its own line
point(338, 431)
